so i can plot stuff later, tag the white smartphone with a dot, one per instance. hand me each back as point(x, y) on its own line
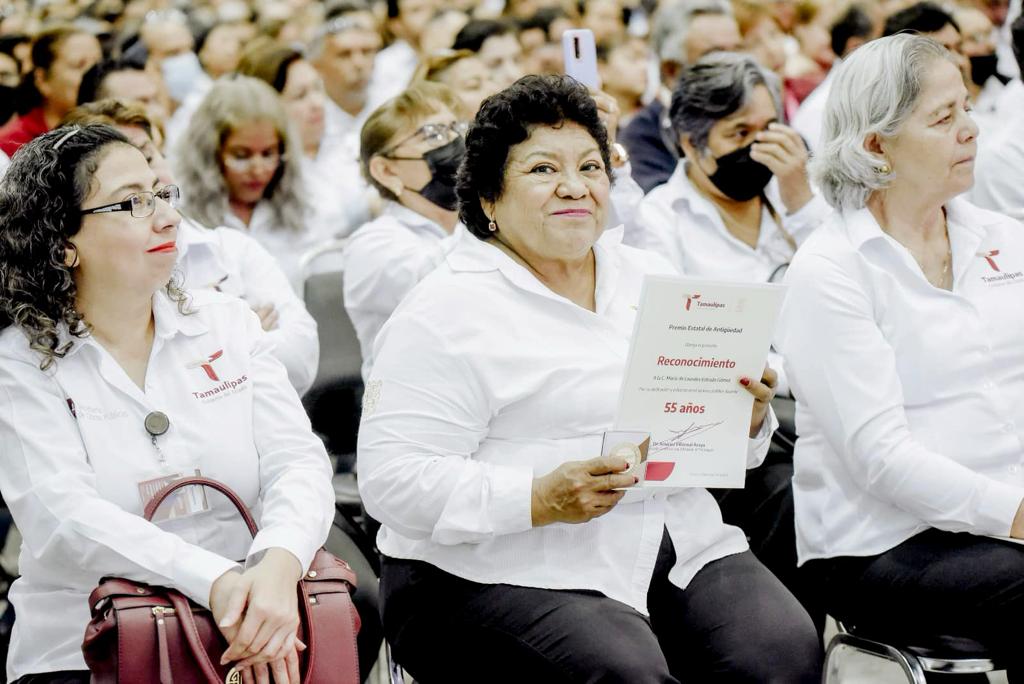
point(580, 55)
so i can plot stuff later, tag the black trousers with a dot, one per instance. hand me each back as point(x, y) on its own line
point(935, 583)
point(734, 623)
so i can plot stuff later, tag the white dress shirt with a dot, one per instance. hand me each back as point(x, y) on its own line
point(909, 397)
point(681, 224)
point(383, 261)
point(73, 450)
point(1000, 162)
point(485, 379)
point(392, 70)
point(230, 261)
point(810, 117)
point(286, 245)
point(339, 196)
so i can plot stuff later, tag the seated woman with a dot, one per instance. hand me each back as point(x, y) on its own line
point(239, 167)
point(113, 381)
point(410, 149)
point(464, 73)
point(222, 259)
point(60, 57)
point(507, 549)
point(330, 170)
point(902, 334)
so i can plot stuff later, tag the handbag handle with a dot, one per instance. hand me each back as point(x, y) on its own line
point(162, 495)
point(188, 626)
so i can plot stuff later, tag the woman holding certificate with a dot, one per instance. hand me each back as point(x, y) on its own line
point(902, 335)
point(493, 383)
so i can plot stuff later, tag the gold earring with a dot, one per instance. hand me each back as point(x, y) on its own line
point(884, 169)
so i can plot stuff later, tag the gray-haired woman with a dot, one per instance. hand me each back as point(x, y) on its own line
point(902, 336)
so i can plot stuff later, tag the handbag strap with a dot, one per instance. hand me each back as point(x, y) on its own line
point(188, 626)
point(160, 496)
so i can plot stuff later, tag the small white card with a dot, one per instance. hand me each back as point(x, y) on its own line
point(692, 342)
point(182, 503)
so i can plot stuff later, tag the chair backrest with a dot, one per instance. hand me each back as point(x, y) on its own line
point(323, 292)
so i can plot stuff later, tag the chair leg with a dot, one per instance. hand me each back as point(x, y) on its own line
point(908, 663)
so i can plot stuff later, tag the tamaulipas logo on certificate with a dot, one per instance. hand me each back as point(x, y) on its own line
point(695, 301)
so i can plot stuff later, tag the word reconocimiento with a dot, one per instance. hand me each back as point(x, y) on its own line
point(697, 363)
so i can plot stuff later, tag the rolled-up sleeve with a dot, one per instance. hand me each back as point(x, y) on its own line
point(296, 494)
point(51, 489)
point(425, 414)
point(843, 369)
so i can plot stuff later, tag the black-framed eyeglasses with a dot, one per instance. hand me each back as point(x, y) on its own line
point(433, 133)
point(140, 204)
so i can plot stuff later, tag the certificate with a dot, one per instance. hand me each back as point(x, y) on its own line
point(692, 342)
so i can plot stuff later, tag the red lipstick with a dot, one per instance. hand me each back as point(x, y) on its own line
point(165, 247)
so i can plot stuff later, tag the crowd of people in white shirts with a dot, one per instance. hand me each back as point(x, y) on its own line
point(172, 173)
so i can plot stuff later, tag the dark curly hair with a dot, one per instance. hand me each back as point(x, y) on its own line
point(506, 119)
point(40, 199)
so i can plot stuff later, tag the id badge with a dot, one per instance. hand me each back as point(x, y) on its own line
point(631, 446)
point(181, 504)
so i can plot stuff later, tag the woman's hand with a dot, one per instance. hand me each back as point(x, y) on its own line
point(763, 392)
point(782, 150)
point(608, 112)
point(268, 316)
point(258, 613)
point(579, 491)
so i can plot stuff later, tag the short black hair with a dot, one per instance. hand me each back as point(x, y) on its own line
point(855, 23)
point(542, 19)
point(921, 17)
point(1017, 38)
point(473, 34)
point(507, 119)
point(92, 80)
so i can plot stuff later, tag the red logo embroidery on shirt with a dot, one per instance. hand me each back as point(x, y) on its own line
point(987, 256)
point(207, 365)
point(690, 299)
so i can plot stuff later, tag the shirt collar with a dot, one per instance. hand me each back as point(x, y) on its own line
point(411, 219)
point(191, 236)
point(961, 215)
point(473, 255)
point(167, 322)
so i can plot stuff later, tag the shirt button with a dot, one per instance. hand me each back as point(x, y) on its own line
point(1015, 469)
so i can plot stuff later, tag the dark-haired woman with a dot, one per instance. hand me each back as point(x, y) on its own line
point(60, 57)
point(492, 385)
point(112, 383)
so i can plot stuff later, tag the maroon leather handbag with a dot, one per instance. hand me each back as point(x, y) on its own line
point(144, 634)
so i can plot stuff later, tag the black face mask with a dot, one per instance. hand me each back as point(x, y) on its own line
point(739, 177)
point(983, 67)
point(444, 164)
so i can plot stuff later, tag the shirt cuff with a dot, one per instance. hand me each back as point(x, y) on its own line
point(504, 505)
point(291, 539)
point(757, 447)
point(196, 572)
point(997, 507)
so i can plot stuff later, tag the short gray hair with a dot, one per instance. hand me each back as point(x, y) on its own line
point(671, 26)
point(714, 87)
point(874, 91)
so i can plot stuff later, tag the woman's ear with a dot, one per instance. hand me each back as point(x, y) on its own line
point(381, 171)
point(70, 255)
point(874, 144)
point(488, 208)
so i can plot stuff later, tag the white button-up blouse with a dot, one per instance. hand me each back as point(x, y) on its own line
point(484, 379)
point(909, 397)
point(228, 260)
point(383, 261)
point(73, 449)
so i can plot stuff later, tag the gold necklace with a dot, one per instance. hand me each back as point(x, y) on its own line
point(946, 261)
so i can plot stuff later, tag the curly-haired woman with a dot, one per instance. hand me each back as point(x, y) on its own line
point(492, 385)
point(113, 382)
point(239, 165)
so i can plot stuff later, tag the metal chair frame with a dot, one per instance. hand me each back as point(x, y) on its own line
point(914, 666)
